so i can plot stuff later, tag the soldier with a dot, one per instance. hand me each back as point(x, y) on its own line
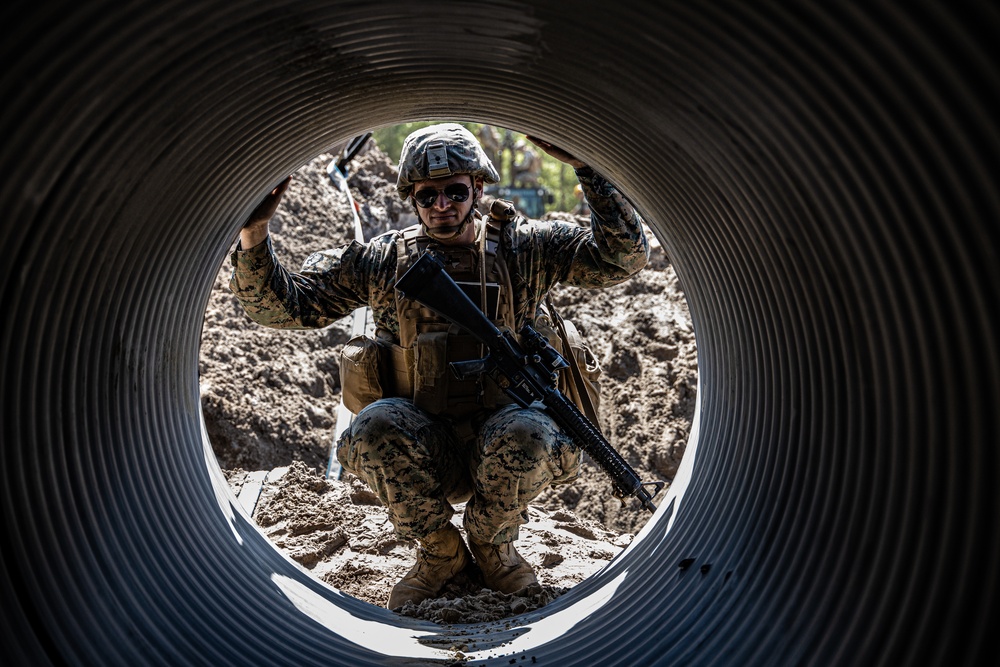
point(423, 440)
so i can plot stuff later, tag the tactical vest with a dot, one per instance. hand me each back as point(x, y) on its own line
point(434, 342)
point(417, 367)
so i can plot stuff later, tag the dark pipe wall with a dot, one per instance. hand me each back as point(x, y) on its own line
point(822, 175)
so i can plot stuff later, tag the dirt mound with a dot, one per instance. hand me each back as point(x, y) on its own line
point(340, 533)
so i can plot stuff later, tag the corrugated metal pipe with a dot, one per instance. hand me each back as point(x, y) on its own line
point(822, 176)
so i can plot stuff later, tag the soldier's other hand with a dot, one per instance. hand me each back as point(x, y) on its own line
point(254, 230)
point(266, 208)
point(556, 152)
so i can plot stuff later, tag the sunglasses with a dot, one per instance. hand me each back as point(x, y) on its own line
point(425, 197)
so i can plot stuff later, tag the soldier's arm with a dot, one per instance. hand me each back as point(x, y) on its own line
point(616, 246)
point(255, 229)
point(612, 251)
point(330, 285)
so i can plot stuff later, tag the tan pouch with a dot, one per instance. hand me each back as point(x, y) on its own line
point(430, 371)
point(581, 382)
point(361, 379)
point(590, 374)
point(401, 371)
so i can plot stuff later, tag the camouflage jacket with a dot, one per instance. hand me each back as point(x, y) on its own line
point(539, 254)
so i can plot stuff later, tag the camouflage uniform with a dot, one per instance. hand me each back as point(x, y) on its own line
point(420, 464)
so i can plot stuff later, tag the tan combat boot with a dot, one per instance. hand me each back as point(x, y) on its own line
point(503, 568)
point(440, 556)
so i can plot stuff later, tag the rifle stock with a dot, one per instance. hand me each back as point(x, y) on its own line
point(528, 372)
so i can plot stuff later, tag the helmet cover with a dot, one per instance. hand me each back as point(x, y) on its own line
point(442, 150)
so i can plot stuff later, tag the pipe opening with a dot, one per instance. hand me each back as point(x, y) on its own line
point(271, 398)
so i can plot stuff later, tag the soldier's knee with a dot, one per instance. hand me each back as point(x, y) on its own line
point(520, 437)
point(384, 414)
point(529, 442)
point(522, 425)
point(380, 431)
point(525, 443)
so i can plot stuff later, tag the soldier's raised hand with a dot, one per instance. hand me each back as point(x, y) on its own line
point(556, 152)
point(254, 230)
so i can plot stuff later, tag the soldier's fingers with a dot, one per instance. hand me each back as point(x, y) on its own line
point(281, 187)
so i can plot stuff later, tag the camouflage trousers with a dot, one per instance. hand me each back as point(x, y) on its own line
point(419, 466)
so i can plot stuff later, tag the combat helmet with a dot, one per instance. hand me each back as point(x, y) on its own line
point(438, 151)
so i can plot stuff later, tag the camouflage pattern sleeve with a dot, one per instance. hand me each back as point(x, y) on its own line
point(331, 284)
point(544, 253)
point(617, 248)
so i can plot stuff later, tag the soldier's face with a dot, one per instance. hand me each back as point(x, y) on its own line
point(452, 199)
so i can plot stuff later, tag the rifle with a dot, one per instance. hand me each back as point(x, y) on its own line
point(527, 373)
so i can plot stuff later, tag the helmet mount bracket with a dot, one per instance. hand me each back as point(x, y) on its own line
point(437, 161)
